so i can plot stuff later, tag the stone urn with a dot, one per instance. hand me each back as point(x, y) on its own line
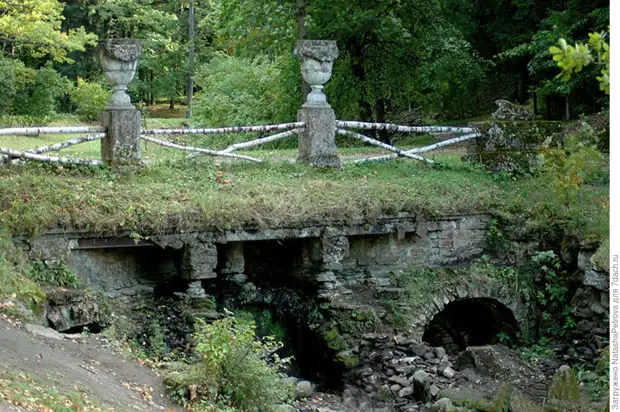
point(316, 58)
point(119, 59)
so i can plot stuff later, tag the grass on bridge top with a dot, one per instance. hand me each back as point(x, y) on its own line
point(205, 194)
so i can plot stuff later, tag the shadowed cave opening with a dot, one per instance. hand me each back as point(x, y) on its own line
point(472, 322)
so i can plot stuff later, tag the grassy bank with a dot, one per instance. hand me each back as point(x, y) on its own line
point(202, 194)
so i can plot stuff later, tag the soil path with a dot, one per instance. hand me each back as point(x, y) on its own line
point(112, 380)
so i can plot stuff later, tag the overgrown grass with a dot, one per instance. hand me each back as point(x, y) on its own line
point(203, 194)
point(15, 284)
point(208, 193)
point(22, 391)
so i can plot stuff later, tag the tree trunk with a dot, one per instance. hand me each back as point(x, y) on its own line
point(190, 61)
point(384, 136)
point(567, 108)
point(303, 34)
point(151, 88)
point(359, 72)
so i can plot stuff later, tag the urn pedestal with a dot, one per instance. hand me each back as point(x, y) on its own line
point(317, 143)
point(121, 145)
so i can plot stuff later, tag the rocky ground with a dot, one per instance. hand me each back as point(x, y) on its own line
point(400, 375)
point(67, 363)
point(395, 375)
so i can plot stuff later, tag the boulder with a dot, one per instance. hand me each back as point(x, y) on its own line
point(304, 389)
point(42, 331)
point(442, 405)
point(69, 309)
point(422, 386)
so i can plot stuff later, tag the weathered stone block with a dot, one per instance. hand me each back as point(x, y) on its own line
point(235, 260)
point(334, 249)
point(69, 309)
point(514, 146)
point(121, 145)
point(317, 143)
point(199, 261)
point(596, 279)
point(463, 239)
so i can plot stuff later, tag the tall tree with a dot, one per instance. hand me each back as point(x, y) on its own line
point(190, 59)
point(33, 28)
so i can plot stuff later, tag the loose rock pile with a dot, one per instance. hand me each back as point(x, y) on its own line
point(397, 374)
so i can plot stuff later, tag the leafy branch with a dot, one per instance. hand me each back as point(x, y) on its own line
point(572, 59)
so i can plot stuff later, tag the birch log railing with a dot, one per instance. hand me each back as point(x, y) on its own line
point(37, 153)
point(291, 129)
point(343, 125)
point(285, 130)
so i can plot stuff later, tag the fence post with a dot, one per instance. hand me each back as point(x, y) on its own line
point(317, 143)
point(121, 145)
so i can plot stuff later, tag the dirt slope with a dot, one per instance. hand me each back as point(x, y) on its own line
point(115, 382)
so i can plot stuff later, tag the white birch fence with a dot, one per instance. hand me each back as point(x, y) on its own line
point(37, 154)
point(470, 133)
point(285, 130)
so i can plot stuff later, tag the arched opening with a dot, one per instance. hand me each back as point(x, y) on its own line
point(472, 322)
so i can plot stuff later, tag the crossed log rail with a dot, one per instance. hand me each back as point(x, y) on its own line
point(292, 129)
point(342, 125)
point(349, 124)
point(286, 130)
point(37, 153)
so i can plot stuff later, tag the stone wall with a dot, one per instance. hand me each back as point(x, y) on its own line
point(324, 262)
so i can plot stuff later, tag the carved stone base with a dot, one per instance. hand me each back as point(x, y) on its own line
point(317, 144)
point(121, 145)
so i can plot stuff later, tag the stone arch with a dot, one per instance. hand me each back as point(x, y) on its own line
point(471, 322)
point(487, 291)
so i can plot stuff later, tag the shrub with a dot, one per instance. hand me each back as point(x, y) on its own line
point(89, 99)
point(53, 275)
point(237, 91)
point(14, 284)
point(38, 100)
point(29, 96)
point(235, 370)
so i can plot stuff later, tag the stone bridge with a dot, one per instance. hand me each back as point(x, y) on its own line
point(329, 262)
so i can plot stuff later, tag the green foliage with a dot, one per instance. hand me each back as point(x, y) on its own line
point(527, 41)
point(574, 169)
point(14, 282)
point(579, 163)
point(236, 369)
point(89, 99)
point(14, 77)
point(31, 94)
point(266, 323)
point(33, 28)
point(572, 59)
point(537, 352)
point(57, 274)
point(553, 296)
point(237, 91)
point(496, 241)
point(130, 19)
